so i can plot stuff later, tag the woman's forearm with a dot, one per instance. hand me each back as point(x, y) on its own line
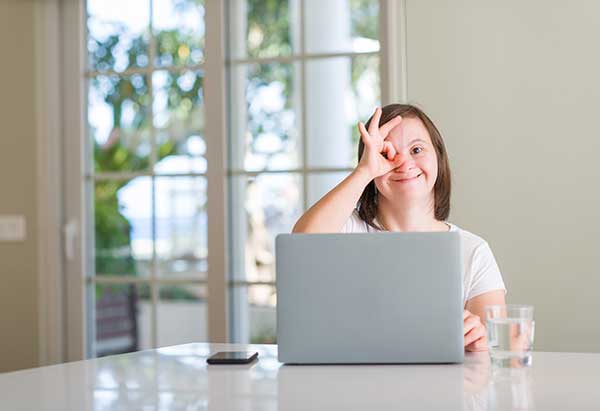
point(332, 211)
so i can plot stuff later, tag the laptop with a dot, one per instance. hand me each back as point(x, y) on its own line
point(369, 298)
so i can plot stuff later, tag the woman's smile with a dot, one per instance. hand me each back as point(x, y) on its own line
point(406, 179)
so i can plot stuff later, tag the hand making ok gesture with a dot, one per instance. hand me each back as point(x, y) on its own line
point(379, 156)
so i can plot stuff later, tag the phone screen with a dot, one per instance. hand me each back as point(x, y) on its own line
point(232, 357)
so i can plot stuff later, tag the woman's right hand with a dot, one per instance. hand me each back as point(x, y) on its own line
point(379, 156)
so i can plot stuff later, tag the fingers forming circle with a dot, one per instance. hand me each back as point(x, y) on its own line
point(363, 133)
point(374, 124)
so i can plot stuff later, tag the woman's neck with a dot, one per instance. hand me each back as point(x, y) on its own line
point(412, 216)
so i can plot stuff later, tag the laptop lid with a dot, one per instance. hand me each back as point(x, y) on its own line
point(369, 298)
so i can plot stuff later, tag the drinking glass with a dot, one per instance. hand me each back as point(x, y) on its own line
point(510, 330)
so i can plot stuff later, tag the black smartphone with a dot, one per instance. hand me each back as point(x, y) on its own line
point(232, 357)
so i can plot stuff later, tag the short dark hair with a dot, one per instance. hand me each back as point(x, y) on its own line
point(367, 204)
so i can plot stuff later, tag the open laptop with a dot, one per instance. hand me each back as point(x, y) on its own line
point(369, 298)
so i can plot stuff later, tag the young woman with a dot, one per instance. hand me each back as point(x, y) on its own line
point(402, 183)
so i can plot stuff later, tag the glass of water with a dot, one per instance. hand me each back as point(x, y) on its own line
point(510, 330)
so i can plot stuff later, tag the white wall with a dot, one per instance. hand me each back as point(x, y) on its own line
point(18, 195)
point(515, 88)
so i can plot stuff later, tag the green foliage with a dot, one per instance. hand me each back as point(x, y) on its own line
point(365, 24)
point(116, 289)
point(169, 292)
point(112, 232)
point(178, 293)
point(365, 18)
point(265, 335)
point(268, 35)
point(101, 53)
point(268, 28)
point(176, 48)
point(264, 122)
point(128, 146)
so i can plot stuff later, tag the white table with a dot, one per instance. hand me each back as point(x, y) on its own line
point(178, 378)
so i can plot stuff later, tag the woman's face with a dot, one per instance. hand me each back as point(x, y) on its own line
point(415, 177)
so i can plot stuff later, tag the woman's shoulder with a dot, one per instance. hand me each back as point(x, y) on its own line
point(355, 224)
point(481, 269)
point(471, 241)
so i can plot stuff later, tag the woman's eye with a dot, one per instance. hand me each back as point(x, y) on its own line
point(417, 150)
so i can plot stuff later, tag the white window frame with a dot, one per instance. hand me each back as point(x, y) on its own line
point(49, 205)
point(64, 331)
point(393, 89)
point(79, 316)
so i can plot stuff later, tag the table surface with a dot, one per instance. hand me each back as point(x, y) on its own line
point(178, 378)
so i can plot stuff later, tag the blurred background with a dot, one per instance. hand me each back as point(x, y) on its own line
point(134, 175)
point(146, 125)
point(151, 151)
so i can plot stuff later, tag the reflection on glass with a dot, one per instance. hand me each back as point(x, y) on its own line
point(117, 34)
point(265, 116)
point(122, 320)
point(123, 226)
point(272, 205)
point(179, 31)
point(178, 107)
point(261, 28)
point(340, 92)
point(336, 26)
point(182, 314)
point(181, 226)
point(119, 122)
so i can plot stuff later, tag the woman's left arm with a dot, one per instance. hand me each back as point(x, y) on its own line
point(474, 319)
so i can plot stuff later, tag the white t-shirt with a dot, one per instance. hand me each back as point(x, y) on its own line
point(481, 270)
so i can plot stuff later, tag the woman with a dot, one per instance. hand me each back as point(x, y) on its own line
point(402, 183)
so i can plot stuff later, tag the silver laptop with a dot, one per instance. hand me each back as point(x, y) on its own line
point(369, 298)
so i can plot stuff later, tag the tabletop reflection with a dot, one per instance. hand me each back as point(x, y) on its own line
point(488, 387)
point(180, 379)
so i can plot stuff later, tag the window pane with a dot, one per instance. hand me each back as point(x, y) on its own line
point(119, 122)
point(259, 28)
point(122, 318)
point(179, 121)
point(255, 304)
point(262, 207)
point(355, 27)
point(123, 226)
point(264, 109)
point(339, 92)
point(182, 314)
point(179, 31)
point(320, 184)
point(117, 34)
point(181, 226)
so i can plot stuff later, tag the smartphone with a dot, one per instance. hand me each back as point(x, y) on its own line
point(232, 357)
